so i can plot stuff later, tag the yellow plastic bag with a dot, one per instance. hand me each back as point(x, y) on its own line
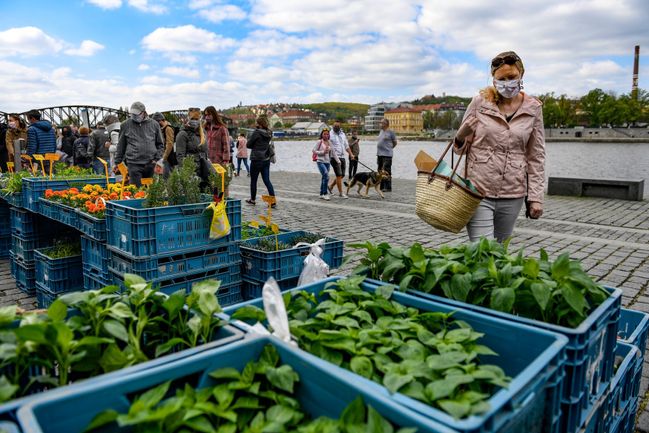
point(220, 223)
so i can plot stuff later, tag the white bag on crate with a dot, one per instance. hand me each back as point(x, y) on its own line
point(275, 314)
point(315, 269)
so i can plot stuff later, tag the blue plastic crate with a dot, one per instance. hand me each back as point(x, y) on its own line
point(625, 385)
point(154, 268)
point(251, 289)
point(44, 297)
point(15, 200)
point(5, 225)
point(34, 188)
point(5, 246)
point(24, 222)
point(626, 422)
point(92, 227)
point(319, 391)
point(590, 350)
point(229, 293)
point(96, 282)
point(95, 256)
point(633, 328)
point(58, 275)
point(8, 427)
point(223, 336)
point(59, 212)
point(24, 274)
point(284, 264)
point(596, 419)
point(167, 230)
point(23, 247)
point(531, 356)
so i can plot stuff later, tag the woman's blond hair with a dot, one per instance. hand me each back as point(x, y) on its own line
point(195, 114)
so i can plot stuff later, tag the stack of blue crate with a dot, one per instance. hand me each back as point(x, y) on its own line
point(171, 247)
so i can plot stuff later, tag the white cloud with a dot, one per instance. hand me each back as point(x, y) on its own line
point(145, 6)
point(106, 4)
point(185, 38)
point(181, 72)
point(156, 80)
point(87, 48)
point(28, 41)
point(143, 67)
point(221, 13)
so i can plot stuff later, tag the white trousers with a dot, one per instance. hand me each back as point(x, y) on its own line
point(495, 218)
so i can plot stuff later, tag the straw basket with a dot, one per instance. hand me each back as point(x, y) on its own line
point(444, 204)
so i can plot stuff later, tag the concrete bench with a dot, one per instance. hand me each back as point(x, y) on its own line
point(625, 189)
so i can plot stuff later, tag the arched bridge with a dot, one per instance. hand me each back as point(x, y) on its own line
point(91, 115)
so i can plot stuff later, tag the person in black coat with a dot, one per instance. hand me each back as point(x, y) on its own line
point(260, 154)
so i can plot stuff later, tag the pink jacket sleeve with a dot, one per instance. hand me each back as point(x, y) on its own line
point(535, 154)
point(468, 114)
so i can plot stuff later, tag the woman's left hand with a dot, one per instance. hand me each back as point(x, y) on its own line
point(536, 210)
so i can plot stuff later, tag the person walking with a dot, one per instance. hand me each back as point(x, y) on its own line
point(218, 137)
point(98, 148)
point(112, 126)
point(169, 157)
point(67, 144)
point(355, 149)
point(503, 131)
point(190, 143)
point(260, 153)
point(82, 154)
point(340, 146)
point(324, 153)
point(41, 138)
point(384, 151)
point(17, 129)
point(242, 154)
point(140, 144)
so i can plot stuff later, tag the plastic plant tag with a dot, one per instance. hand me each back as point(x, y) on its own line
point(221, 171)
point(10, 167)
point(276, 311)
point(105, 164)
point(315, 269)
point(51, 157)
point(123, 170)
point(147, 181)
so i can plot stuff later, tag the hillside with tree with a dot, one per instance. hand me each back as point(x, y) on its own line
point(338, 110)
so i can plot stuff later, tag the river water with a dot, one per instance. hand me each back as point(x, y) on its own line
point(563, 159)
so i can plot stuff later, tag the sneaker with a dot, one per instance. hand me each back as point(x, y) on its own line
point(325, 197)
point(274, 205)
point(251, 202)
point(343, 195)
point(330, 188)
point(321, 197)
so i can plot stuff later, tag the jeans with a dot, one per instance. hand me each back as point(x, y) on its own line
point(385, 163)
point(138, 171)
point(257, 167)
point(353, 167)
point(494, 218)
point(324, 172)
point(98, 167)
point(245, 162)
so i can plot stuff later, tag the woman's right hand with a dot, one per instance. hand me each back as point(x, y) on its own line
point(467, 128)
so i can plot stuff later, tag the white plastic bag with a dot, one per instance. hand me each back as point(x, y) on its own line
point(315, 269)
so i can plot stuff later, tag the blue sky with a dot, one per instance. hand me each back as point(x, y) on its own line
point(172, 54)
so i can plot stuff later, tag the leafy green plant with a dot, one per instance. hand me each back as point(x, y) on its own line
point(269, 244)
point(257, 399)
point(484, 273)
point(181, 187)
point(12, 183)
point(254, 231)
point(62, 249)
point(428, 356)
point(108, 331)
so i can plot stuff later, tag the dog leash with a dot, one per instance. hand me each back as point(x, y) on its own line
point(370, 169)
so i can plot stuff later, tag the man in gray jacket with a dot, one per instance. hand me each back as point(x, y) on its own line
point(98, 147)
point(140, 144)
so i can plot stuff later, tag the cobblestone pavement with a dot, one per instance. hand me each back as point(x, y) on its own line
point(611, 237)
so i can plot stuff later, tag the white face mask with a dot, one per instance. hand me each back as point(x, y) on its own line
point(12, 125)
point(508, 88)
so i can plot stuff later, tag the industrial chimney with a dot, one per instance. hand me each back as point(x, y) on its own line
point(636, 64)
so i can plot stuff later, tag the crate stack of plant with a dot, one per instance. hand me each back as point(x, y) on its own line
point(606, 343)
point(29, 230)
point(169, 237)
point(267, 251)
point(5, 226)
point(84, 209)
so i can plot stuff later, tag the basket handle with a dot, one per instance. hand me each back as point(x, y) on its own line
point(463, 152)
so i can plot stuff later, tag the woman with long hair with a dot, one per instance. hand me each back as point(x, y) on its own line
point(260, 153)
point(503, 131)
point(218, 137)
point(17, 129)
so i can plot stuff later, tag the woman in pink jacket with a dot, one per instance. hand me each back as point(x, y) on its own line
point(503, 129)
